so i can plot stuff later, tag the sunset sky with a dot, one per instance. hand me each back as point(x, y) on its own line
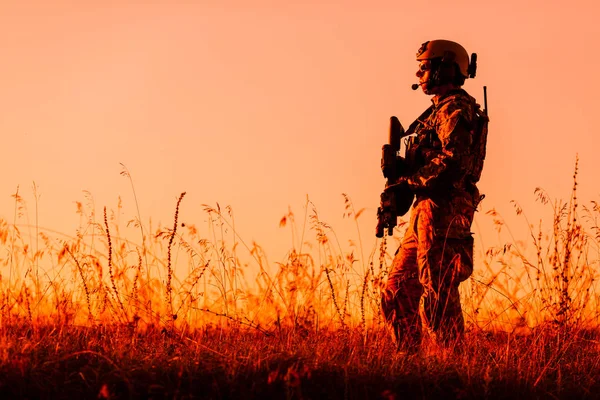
point(257, 104)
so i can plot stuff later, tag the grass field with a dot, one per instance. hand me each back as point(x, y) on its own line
point(182, 314)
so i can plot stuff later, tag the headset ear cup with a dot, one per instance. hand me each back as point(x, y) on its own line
point(472, 70)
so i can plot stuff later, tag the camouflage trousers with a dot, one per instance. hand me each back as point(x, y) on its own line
point(421, 298)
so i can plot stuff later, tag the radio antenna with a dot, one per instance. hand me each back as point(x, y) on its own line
point(485, 109)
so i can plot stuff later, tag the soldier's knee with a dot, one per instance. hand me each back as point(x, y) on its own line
point(400, 279)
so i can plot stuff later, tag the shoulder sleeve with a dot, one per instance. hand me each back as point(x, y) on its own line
point(448, 116)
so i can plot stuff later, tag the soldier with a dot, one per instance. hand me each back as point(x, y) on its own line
point(421, 298)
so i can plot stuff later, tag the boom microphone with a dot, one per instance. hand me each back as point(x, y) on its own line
point(415, 86)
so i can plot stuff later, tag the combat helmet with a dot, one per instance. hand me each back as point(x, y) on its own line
point(449, 52)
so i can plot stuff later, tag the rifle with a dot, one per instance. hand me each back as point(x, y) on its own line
point(394, 202)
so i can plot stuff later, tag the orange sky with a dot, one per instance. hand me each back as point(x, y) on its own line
point(257, 106)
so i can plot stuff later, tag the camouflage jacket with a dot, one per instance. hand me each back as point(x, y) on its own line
point(444, 155)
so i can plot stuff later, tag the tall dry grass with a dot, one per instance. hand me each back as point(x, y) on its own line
point(180, 313)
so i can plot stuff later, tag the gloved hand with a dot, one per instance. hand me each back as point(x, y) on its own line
point(402, 194)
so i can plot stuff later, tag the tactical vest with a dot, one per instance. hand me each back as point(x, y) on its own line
point(425, 140)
